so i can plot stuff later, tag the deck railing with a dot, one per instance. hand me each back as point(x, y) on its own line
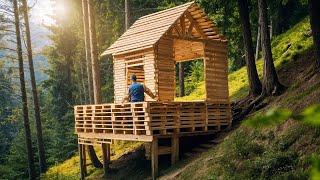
point(151, 118)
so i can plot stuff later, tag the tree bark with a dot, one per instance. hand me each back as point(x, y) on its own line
point(314, 11)
point(181, 79)
point(127, 14)
point(42, 156)
point(32, 172)
point(95, 74)
point(87, 48)
point(254, 81)
point(258, 42)
point(94, 55)
point(271, 84)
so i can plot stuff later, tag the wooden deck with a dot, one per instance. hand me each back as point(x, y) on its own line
point(147, 122)
point(97, 124)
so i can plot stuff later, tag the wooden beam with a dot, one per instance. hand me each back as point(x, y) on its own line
point(80, 148)
point(84, 159)
point(183, 25)
point(196, 25)
point(106, 157)
point(177, 29)
point(190, 28)
point(175, 149)
point(154, 158)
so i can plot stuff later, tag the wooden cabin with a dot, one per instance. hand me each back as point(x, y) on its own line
point(150, 48)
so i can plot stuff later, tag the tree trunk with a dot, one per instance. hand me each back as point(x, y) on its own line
point(95, 74)
point(181, 79)
point(127, 14)
point(84, 89)
point(87, 48)
point(42, 156)
point(314, 11)
point(94, 55)
point(258, 42)
point(254, 81)
point(271, 84)
point(32, 172)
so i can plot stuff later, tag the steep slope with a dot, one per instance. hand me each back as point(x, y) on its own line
point(269, 147)
point(281, 151)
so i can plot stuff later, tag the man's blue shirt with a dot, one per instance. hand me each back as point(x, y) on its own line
point(136, 92)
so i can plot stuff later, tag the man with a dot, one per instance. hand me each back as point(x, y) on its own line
point(136, 91)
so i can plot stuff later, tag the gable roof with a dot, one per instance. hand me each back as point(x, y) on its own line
point(148, 30)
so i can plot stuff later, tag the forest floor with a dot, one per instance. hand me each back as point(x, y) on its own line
point(281, 151)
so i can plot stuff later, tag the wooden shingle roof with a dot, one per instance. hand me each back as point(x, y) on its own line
point(147, 30)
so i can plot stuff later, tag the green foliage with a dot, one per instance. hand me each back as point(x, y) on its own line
point(315, 171)
point(311, 115)
point(271, 118)
point(194, 76)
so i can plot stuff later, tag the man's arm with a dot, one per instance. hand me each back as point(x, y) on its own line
point(127, 97)
point(149, 92)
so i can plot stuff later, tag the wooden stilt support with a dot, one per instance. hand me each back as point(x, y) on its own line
point(84, 160)
point(174, 149)
point(106, 157)
point(154, 158)
point(82, 174)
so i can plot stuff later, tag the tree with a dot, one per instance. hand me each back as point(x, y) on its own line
point(42, 157)
point(314, 11)
point(32, 172)
point(95, 74)
point(271, 84)
point(87, 48)
point(254, 81)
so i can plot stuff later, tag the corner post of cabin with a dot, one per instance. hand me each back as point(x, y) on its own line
point(154, 158)
point(81, 162)
point(105, 157)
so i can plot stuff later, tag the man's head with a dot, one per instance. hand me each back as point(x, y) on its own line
point(133, 78)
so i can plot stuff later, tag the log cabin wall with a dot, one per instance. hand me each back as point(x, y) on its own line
point(165, 69)
point(140, 63)
point(150, 73)
point(216, 71)
point(119, 74)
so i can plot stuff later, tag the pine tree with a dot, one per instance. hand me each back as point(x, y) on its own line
point(42, 157)
point(271, 84)
point(87, 48)
point(32, 172)
point(95, 73)
point(254, 81)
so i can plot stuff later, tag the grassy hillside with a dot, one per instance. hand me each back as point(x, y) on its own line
point(283, 150)
point(285, 47)
point(274, 152)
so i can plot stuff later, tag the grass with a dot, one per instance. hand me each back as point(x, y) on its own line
point(70, 170)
